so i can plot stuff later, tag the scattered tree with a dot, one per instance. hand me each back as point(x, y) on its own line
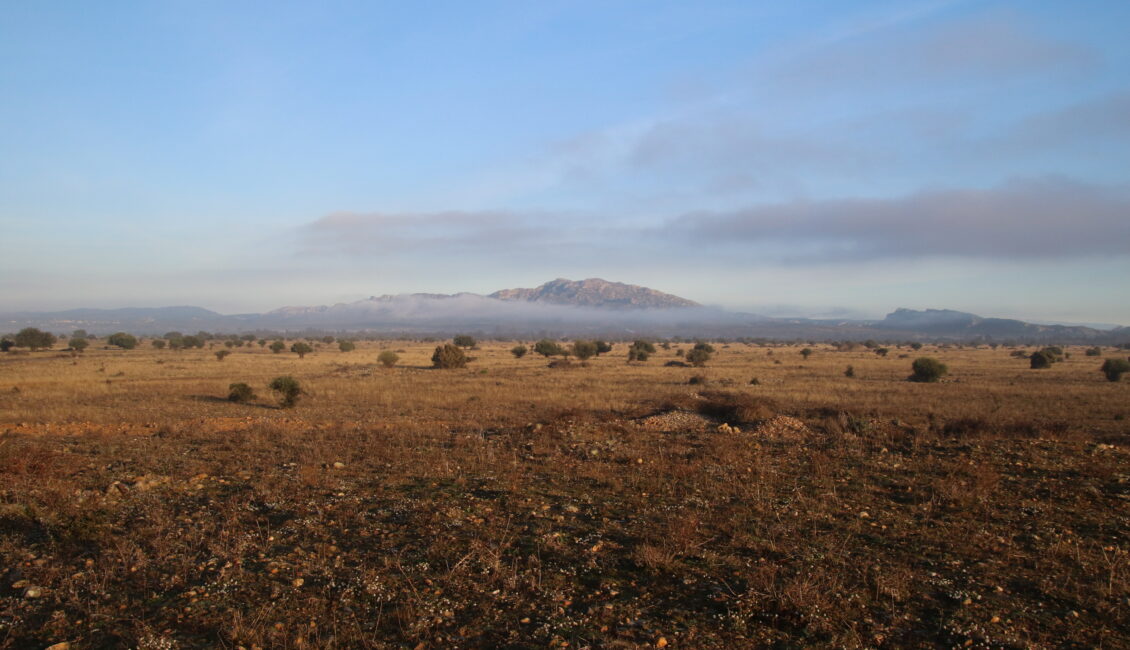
point(449, 356)
point(584, 349)
point(220, 354)
point(30, 337)
point(240, 393)
point(6, 344)
point(464, 341)
point(288, 389)
point(277, 346)
point(159, 344)
point(602, 347)
point(1093, 352)
point(927, 370)
point(640, 350)
point(1041, 359)
point(1115, 368)
point(916, 346)
point(698, 357)
point(519, 351)
point(301, 349)
point(850, 372)
point(388, 358)
point(122, 340)
point(327, 339)
point(78, 344)
point(882, 351)
point(346, 346)
point(79, 334)
point(548, 348)
point(807, 352)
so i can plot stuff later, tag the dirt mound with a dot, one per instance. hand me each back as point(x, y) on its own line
point(784, 427)
point(678, 420)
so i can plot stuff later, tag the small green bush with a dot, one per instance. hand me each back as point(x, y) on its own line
point(288, 389)
point(519, 351)
point(278, 346)
point(464, 341)
point(388, 358)
point(548, 348)
point(698, 357)
point(584, 349)
point(1115, 368)
point(78, 344)
point(122, 340)
point(220, 354)
point(448, 356)
point(346, 346)
point(927, 370)
point(1093, 352)
point(301, 349)
point(240, 393)
point(30, 337)
point(1041, 359)
point(850, 372)
point(807, 352)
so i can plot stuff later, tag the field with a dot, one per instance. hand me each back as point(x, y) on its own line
point(510, 504)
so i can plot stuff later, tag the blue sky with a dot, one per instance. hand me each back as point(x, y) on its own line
point(788, 158)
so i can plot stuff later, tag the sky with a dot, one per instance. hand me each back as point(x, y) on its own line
point(801, 158)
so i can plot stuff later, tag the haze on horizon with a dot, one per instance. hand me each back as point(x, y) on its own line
point(783, 158)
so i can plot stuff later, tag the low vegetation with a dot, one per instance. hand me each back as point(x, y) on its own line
point(616, 507)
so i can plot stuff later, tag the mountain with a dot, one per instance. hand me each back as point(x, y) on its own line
point(588, 308)
point(595, 292)
point(946, 323)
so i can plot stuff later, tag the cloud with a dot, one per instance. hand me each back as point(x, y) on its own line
point(987, 47)
point(1019, 220)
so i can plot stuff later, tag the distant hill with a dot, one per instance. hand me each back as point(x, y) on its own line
point(595, 292)
point(562, 308)
point(946, 323)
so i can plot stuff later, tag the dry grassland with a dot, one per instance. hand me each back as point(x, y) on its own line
point(513, 505)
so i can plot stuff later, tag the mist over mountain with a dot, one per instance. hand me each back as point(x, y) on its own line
point(592, 307)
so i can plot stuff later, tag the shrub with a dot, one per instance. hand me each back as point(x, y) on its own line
point(916, 346)
point(193, 341)
point(30, 337)
point(1093, 352)
point(6, 344)
point(640, 351)
point(927, 370)
point(464, 341)
point(220, 354)
point(698, 357)
point(519, 351)
point(548, 348)
point(346, 346)
point(882, 351)
point(704, 346)
point(1041, 359)
point(159, 344)
point(240, 393)
point(122, 340)
point(807, 352)
point(327, 339)
point(449, 356)
point(602, 347)
point(288, 389)
point(850, 372)
point(1114, 368)
point(584, 349)
point(301, 349)
point(278, 346)
point(696, 380)
point(388, 358)
point(78, 344)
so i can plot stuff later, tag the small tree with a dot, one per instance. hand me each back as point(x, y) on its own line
point(301, 349)
point(1041, 359)
point(916, 346)
point(220, 354)
point(79, 334)
point(700, 345)
point(288, 389)
point(158, 344)
point(807, 352)
point(388, 358)
point(882, 351)
point(850, 372)
point(78, 344)
point(240, 393)
point(584, 350)
point(6, 344)
point(122, 340)
point(602, 347)
point(346, 346)
point(927, 370)
point(327, 339)
point(192, 341)
point(449, 356)
point(30, 337)
point(519, 351)
point(277, 346)
point(1093, 352)
point(548, 348)
point(640, 351)
point(464, 341)
point(1115, 368)
point(698, 357)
